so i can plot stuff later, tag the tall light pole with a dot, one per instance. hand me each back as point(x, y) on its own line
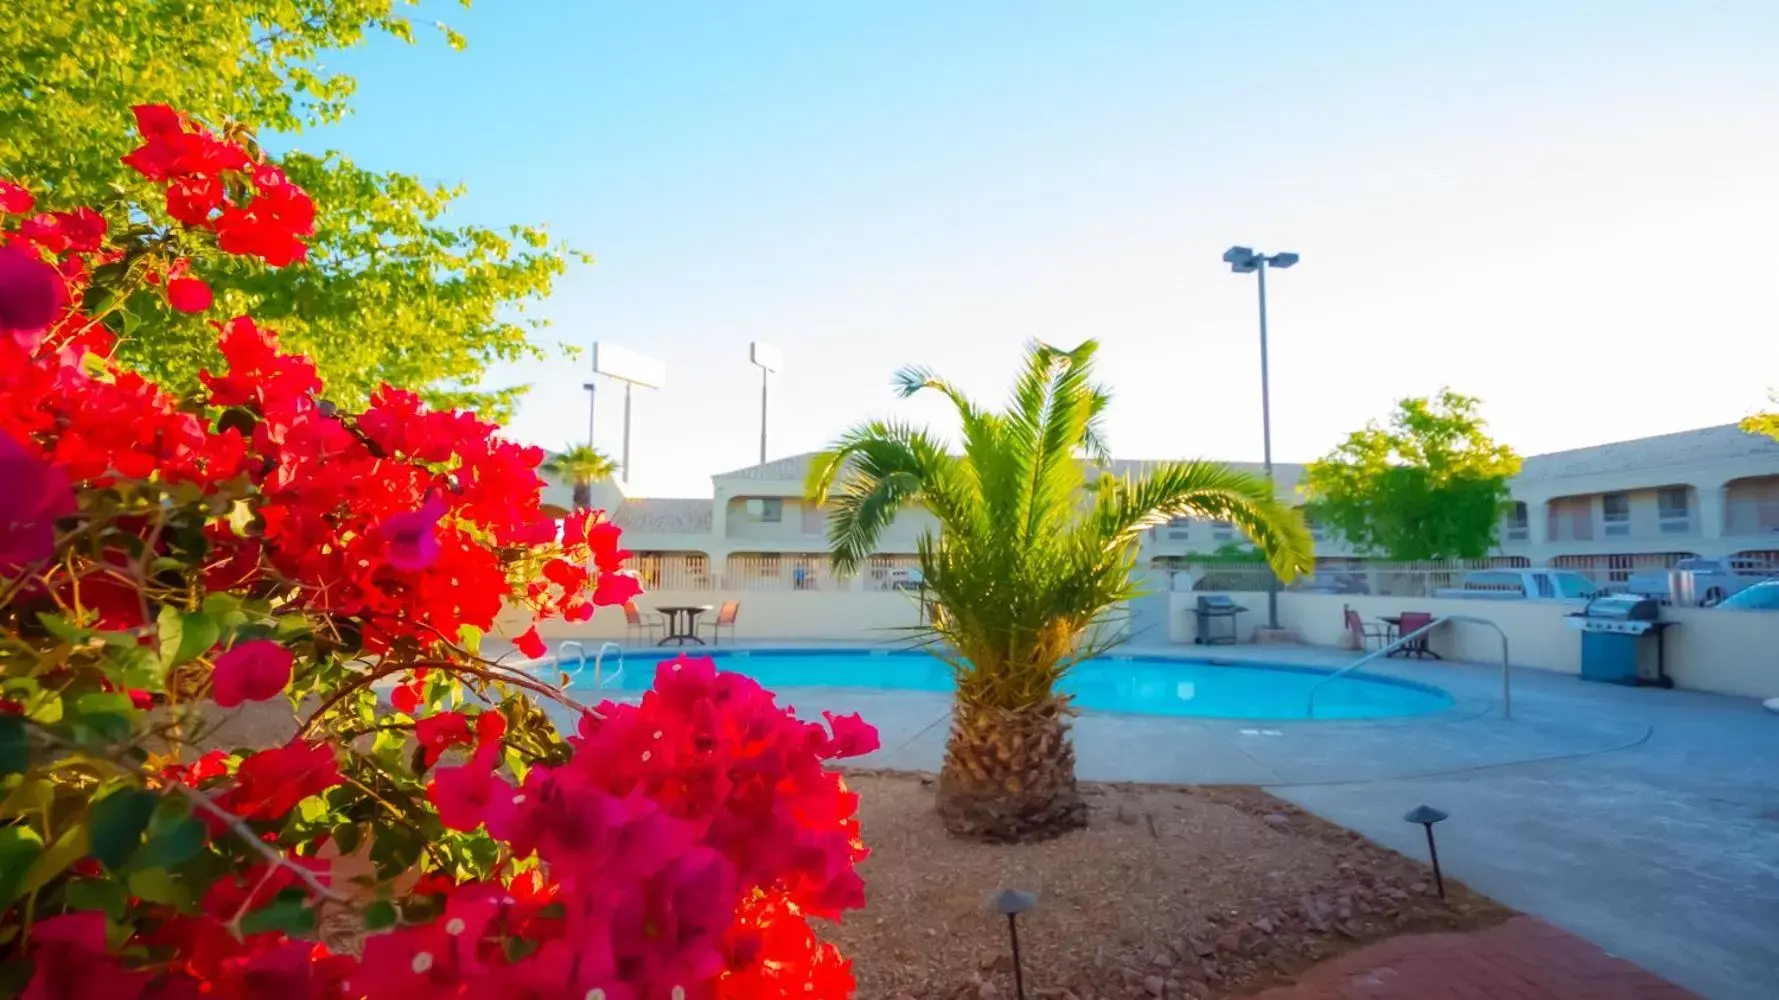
point(769, 360)
point(1243, 260)
point(592, 388)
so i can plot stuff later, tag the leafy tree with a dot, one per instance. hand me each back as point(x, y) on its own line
point(1431, 485)
point(395, 292)
point(580, 466)
point(1764, 423)
point(1029, 557)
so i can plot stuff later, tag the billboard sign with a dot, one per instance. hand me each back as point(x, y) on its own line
point(613, 361)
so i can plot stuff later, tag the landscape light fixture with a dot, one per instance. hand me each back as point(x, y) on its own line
point(1426, 816)
point(1012, 903)
point(1243, 260)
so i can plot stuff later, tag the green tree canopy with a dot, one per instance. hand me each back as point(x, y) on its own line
point(1431, 485)
point(393, 292)
point(580, 466)
point(1764, 423)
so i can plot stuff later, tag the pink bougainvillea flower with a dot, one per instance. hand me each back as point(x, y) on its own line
point(470, 794)
point(853, 736)
point(189, 295)
point(30, 291)
point(411, 541)
point(531, 644)
point(35, 493)
point(616, 588)
point(603, 540)
point(253, 671)
point(72, 962)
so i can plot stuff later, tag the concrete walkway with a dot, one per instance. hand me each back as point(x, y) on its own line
point(1645, 821)
point(1523, 959)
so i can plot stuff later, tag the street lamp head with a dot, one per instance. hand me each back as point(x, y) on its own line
point(1282, 259)
point(1239, 258)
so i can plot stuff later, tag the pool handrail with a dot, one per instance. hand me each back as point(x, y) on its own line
point(580, 659)
point(599, 661)
point(1400, 641)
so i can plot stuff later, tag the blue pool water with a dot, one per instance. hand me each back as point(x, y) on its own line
point(1140, 685)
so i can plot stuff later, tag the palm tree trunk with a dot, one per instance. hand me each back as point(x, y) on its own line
point(583, 496)
point(1010, 776)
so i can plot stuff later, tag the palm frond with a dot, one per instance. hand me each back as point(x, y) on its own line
point(1212, 491)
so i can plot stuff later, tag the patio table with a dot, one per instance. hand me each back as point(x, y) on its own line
point(682, 623)
point(1416, 649)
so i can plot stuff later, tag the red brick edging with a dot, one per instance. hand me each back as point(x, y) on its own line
point(1522, 959)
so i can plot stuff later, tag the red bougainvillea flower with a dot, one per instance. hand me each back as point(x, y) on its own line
point(253, 671)
point(34, 494)
point(189, 295)
point(30, 291)
point(531, 644)
point(191, 199)
point(441, 732)
point(270, 783)
point(410, 541)
point(15, 200)
point(72, 962)
point(853, 736)
point(614, 589)
point(211, 765)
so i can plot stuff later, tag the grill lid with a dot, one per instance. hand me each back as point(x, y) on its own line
point(1622, 607)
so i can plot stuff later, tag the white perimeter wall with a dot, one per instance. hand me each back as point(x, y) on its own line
point(1728, 652)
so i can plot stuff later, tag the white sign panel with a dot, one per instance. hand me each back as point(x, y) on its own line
point(766, 356)
point(613, 361)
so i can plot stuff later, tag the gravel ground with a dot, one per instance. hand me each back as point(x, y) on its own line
point(1170, 892)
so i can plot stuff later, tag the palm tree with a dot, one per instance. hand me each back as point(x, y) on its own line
point(580, 465)
point(1031, 556)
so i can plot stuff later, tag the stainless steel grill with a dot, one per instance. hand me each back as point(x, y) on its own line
point(1612, 628)
point(1211, 608)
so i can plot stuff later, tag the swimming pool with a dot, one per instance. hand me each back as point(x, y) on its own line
point(1143, 685)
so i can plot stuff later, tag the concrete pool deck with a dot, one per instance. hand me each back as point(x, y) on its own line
point(1646, 821)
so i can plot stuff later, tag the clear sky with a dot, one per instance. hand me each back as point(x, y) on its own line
point(1567, 208)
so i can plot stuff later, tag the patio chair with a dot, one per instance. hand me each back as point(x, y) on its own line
point(1412, 620)
point(725, 619)
point(1365, 632)
point(640, 626)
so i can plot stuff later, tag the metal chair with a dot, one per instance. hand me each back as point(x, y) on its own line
point(1412, 620)
point(1365, 632)
point(640, 626)
point(725, 619)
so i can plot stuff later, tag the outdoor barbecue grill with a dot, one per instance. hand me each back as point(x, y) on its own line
point(1211, 608)
point(1613, 628)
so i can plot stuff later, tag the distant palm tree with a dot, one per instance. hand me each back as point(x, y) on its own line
point(1030, 556)
point(580, 466)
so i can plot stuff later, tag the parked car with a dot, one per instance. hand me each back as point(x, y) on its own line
point(1711, 580)
point(1518, 584)
point(1762, 596)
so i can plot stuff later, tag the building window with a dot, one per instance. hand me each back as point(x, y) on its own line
point(1570, 519)
point(1179, 528)
point(1222, 531)
point(1672, 510)
point(765, 510)
point(1518, 522)
point(1616, 511)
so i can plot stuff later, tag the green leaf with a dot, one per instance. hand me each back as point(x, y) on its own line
point(158, 885)
point(380, 915)
point(97, 894)
point(15, 750)
point(471, 638)
point(63, 629)
point(68, 848)
point(20, 847)
point(225, 610)
point(185, 634)
point(289, 914)
point(118, 821)
point(178, 841)
point(347, 837)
